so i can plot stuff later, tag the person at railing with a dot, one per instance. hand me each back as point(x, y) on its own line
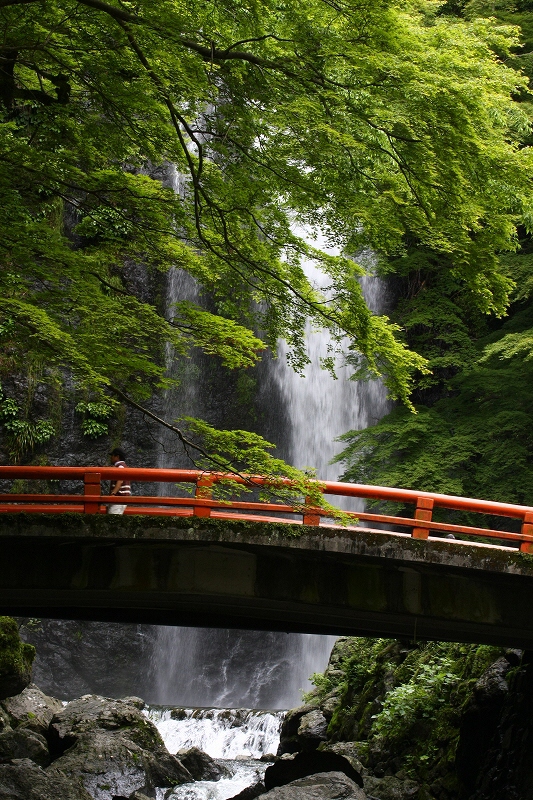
point(118, 488)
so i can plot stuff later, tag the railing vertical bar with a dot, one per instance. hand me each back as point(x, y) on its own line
point(423, 512)
point(527, 529)
point(310, 517)
point(203, 491)
point(91, 491)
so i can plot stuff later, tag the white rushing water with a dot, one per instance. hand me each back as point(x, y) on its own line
point(219, 732)
point(238, 737)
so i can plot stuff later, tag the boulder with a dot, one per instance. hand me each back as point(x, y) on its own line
point(312, 729)
point(24, 743)
point(391, 788)
point(92, 712)
point(16, 659)
point(251, 792)
point(321, 786)
point(347, 749)
point(22, 779)
point(4, 720)
point(290, 741)
point(113, 747)
point(201, 766)
point(112, 765)
point(287, 770)
point(492, 686)
point(32, 709)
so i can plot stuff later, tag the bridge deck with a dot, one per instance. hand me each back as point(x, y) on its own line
point(228, 573)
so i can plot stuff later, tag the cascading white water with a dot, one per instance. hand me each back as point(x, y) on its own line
point(220, 733)
point(262, 670)
point(239, 737)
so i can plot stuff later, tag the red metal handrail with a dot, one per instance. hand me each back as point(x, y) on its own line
point(203, 504)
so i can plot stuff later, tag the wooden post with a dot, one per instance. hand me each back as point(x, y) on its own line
point(203, 490)
point(91, 492)
point(527, 528)
point(310, 517)
point(423, 511)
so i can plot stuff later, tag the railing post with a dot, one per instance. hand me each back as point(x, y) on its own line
point(203, 491)
point(527, 528)
point(91, 492)
point(423, 512)
point(310, 518)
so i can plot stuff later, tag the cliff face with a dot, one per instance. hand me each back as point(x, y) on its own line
point(76, 657)
point(432, 721)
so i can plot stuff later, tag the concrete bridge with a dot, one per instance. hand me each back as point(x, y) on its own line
point(265, 573)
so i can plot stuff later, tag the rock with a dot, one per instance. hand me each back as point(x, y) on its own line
point(91, 712)
point(330, 703)
point(113, 747)
point(5, 723)
point(391, 788)
point(289, 740)
point(77, 657)
point(32, 709)
point(492, 686)
point(308, 763)
point(270, 757)
point(16, 659)
point(312, 729)
point(201, 766)
point(347, 749)
point(251, 792)
point(110, 765)
point(138, 702)
point(24, 743)
point(24, 780)
point(322, 786)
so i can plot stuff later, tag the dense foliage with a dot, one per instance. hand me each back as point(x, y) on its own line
point(402, 704)
point(148, 135)
point(471, 434)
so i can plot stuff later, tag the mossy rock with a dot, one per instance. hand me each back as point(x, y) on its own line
point(16, 659)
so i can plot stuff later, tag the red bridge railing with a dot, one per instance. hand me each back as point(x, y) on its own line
point(91, 500)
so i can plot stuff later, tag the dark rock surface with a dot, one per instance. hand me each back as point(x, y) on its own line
point(320, 786)
point(349, 750)
point(302, 764)
point(391, 787)
point(498, 734)
point(16, 658)
point(24, 743)
point(290, 739)
point(31, 709)
point(24, 780)
point(113, 747)
point(76, 657)
point(312, 729)
point(200, 765)
point(251, 792)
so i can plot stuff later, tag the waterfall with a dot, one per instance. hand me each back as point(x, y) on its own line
point(320, 407)
point(302, 416)
point(232, 668)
